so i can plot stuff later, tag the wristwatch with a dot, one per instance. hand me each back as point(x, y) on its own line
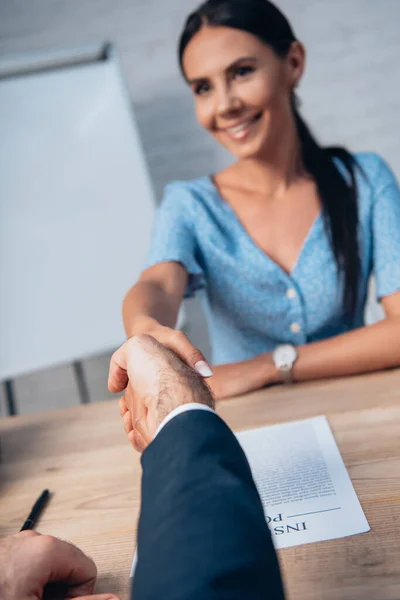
point(284, 357)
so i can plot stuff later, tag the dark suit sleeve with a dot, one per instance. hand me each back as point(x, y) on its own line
point(202, 532)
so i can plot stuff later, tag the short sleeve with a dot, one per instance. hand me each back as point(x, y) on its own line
point(386, 231)
point(174, 237)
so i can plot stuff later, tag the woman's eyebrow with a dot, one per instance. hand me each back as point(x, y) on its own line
point(240, 60)
point(197, 80)
point(230, 67)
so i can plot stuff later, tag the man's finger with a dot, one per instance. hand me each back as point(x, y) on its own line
point(127, 422)
point(140, 437)
point(131, 438)
point(129, 398)
point(97, 597)
point(135, 406)
point(65, 563)
point(117, 375)
point(122, 406)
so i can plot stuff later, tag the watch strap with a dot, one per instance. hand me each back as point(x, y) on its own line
point(286, 374)
point(284, 365)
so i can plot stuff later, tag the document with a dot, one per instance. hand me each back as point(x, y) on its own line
point(303, 483)
point(306, 492)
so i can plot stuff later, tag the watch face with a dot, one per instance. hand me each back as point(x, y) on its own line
point(285, 355)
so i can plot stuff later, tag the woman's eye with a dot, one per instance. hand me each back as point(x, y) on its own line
point(201, 88)
point(243, 71)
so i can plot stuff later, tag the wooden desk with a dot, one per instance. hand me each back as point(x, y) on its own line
point(82, 455)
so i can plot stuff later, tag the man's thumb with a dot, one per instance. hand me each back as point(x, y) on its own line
point(117, 375)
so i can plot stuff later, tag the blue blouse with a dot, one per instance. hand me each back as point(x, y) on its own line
point(251, 303)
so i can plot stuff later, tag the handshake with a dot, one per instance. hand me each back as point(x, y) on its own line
point(196, 483)
point(201, 518)
point(156, 383)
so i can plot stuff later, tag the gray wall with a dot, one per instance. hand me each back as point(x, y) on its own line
point(350, 94)
point(351, 91)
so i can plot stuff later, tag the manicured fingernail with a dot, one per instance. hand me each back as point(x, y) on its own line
point(203, 368)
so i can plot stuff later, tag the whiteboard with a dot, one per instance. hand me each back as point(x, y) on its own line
point(76, 210)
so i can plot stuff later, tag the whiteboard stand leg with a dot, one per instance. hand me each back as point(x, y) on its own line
point(10, 397)
point(81, 382)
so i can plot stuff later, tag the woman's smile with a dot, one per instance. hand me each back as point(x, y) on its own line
point(242, 129)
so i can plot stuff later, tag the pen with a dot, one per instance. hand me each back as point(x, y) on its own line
point(36, 511)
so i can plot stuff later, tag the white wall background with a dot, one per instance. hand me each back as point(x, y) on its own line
point(351, 91)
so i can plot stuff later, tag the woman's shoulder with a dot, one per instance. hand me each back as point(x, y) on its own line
point(190, 196)
point(374, 168)
point(199, 186)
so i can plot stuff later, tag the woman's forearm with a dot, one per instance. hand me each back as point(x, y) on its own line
point(147, 302)
point(233, 379)
point(371, 348)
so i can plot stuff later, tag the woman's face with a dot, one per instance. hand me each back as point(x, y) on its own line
point(242, 89)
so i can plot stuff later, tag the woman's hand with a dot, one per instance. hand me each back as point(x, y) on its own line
point(175, 340)
point(235, 379)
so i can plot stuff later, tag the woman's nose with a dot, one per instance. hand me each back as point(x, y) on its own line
point(227, 101)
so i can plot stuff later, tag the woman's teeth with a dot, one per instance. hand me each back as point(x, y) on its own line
point(240, 131)
point(240, 127)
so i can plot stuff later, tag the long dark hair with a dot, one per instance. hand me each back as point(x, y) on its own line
point(336, 187)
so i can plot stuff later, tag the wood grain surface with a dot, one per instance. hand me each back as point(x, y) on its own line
point(81, 455)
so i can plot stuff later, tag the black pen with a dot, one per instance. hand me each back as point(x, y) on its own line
point(36, 511)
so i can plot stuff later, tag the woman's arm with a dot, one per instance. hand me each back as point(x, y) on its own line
point(151, 306)
point(371, 348)
point(155, 298)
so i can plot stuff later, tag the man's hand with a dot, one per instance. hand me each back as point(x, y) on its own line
point(157, 381)
point(29, 561)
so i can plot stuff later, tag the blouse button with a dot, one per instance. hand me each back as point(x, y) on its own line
point(295, 328)
point(291, 293)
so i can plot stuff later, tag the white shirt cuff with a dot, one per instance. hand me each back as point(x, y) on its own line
point(181, 409)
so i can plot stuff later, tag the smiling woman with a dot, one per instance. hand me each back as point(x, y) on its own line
point(284, 240)
point(242, 82)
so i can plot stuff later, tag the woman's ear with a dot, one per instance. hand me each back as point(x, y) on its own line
point(295, 64)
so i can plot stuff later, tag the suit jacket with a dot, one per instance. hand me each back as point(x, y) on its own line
point(202, 532)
